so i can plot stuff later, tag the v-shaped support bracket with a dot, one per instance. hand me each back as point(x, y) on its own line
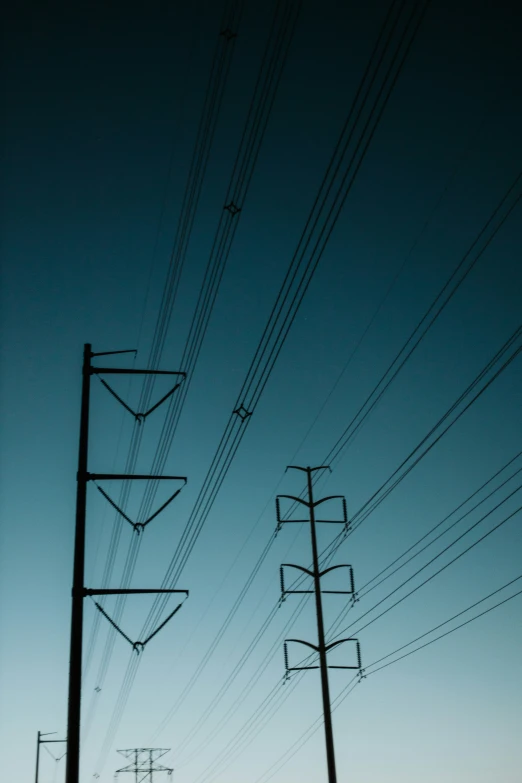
point(137, 646)
point(140, 417)
point(140, 526)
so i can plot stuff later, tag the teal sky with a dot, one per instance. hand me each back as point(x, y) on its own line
point(101, 109)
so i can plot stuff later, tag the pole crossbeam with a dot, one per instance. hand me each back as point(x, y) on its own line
point(79, 591)
point(321, 648)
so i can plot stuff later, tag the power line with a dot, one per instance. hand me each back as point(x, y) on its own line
point(440, 625)
point(296, 282)
point(219, 697)
point(298, 744)
point(448, 516)
point(443, 568)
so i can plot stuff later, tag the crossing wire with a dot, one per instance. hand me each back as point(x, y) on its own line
point(298, 744)
point(260, 110)
point(218, 699)
point(436, 573)
point(366, 587)
point(297, 281)
point(211, 108)
point(264, 553)
point(306, 660)
point(331, 550)
point(285, 290)
point(282, 29)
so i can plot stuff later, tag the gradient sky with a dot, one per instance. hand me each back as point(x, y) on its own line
point(101, 105)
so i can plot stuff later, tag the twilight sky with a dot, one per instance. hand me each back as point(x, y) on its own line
point(101, 109)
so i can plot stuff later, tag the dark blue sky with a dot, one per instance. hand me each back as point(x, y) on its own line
point(101, 106)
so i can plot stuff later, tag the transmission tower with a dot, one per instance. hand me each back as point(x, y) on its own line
point(321, 648)
point(79, 591)
point(144, 763)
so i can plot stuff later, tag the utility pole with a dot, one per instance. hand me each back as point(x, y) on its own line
point(144, 765)
point(79, 591)
point(40, 741)
point(321, 648)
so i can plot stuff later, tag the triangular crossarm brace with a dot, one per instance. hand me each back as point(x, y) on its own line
point(316, 649)
point(140, 417)
point(137, 526)
point(281, 520)
point(285, 592)
point(136, 646)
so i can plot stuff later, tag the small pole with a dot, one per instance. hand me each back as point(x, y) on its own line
point(37, 757)
point(328, 727)
point(75, 661)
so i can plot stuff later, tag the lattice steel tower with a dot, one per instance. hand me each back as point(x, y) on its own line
point(144, 763)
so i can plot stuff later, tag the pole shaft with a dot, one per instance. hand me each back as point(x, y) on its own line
point(328, 727)
point(75, 660)
point(37, 757)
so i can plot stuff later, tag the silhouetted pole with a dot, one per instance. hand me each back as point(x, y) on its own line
point(325, 687)
point(37, 757)
point(39, 742)
point(315, 572)
point(79, 591)
point(72, 766)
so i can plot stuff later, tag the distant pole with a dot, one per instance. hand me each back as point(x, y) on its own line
point(40, 741)
point(75, 662)
point(328, 728)
point(37, 757)
point(316, 573)
point(145, 763)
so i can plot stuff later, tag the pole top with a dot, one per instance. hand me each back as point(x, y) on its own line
point(308, 469)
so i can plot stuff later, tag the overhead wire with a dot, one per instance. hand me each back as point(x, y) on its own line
point(260, 103)
point(283, 25)
point(280, 321)
point(393, 371)
point(436, 573)
point(298, 744)
point(267, 346)
point(210, 112)
point(366, 587)
point(264, 553)
point(440, 625)
point(326, 559)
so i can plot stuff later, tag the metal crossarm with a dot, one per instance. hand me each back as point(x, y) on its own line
point(317, 649)
point(286, 591)
point(281, 520)
point(138, 526)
